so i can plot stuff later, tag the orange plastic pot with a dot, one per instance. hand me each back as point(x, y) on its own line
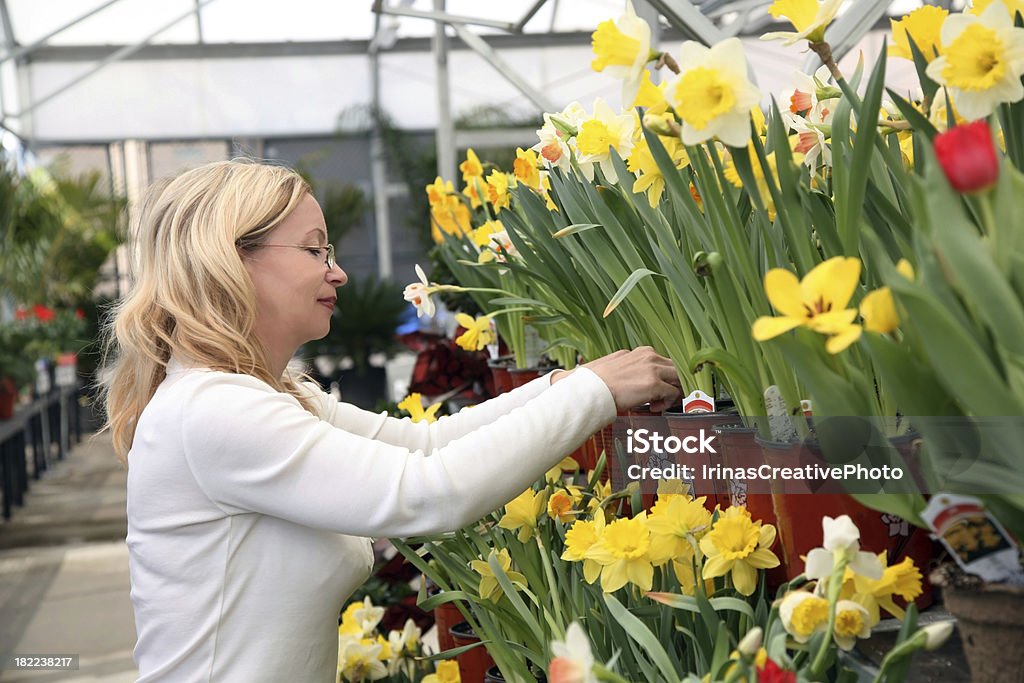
point(473, 664)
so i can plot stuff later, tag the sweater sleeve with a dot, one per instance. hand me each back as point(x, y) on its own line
point(422, 435)
point(253, 449)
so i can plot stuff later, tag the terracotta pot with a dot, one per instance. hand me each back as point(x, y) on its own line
point(499, 373)
point(446, 616)
point(521, 376)
point(473, 665)
point(739, 449)
point(799, 518)
point(990, 617)
point(682, 426)
point(8, 397)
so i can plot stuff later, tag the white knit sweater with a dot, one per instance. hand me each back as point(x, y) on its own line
point(249, 518)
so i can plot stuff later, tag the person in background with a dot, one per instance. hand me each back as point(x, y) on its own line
point(253, 495)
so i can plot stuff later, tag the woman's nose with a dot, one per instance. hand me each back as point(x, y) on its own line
point(336, 276)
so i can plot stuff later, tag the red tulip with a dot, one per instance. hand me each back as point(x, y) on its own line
point(43, 314)
point(968, 156)
point(773, 673)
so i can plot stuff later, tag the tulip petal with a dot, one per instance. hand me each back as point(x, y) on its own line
point(783, 290)
point(839, 342)
point(766, 328)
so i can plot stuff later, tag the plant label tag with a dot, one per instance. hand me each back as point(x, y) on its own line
point(698, 402)
point(978, 543)
point(493, 349)
point(781, 426)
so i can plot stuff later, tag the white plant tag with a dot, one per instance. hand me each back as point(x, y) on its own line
point(779, 421)
point(975, 539)
point(698, 402)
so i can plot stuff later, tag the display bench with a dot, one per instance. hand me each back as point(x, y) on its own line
point(38, 432)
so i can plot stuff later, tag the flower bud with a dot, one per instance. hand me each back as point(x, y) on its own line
point(937, 634)
point(658, 124)
point(968, 156)
point(751, 642)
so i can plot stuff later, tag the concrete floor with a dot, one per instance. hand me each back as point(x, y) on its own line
point(64, 571)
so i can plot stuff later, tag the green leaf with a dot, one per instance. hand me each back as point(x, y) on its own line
point(626, 287)
point(638, 632)
point(574, 228)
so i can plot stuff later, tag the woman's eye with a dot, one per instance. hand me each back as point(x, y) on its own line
point(315, 251)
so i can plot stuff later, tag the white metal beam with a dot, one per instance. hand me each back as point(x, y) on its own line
point(107, 61)
point(687, 18)
point(15, 53)
point(445, 137)
point(477, 44)
point(444, 17)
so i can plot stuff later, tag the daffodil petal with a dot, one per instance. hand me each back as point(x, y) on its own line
point(819, 564)
point(613, 577)
point(744, 577)
point(762, 558)
point(716, 566)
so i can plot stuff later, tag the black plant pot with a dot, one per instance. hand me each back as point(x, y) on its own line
point(363, 389)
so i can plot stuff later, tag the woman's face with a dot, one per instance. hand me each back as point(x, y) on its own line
point(295, 291)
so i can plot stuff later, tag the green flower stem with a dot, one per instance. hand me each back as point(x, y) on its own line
point(552, 584)
point(835, 585)
point(904, 649)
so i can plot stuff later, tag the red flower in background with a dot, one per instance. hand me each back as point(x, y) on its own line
point(773, 673)
point(43, 314)
point(80, 314)
point(968, 156)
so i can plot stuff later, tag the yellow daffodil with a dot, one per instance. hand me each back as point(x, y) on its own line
point(713, 95)
point(817, 302)
point(478, 332)
point(650, 96)
point(557, 473)
point(450, 217)
point(673, 521)
point(878, 307)
point(579, 539)
point(623, 554)
point(526, 168)
point(601, 491)
point(359, 659)
point(446, 672)
point(810, 18)
point(562, 502)
point(902, 580)
point(982, 60)
point(803, 614)
point(482, 236)
point(471, 168)
point(733, 176)
point(923, 26)
point(489, 588)
point(739, 546)
point(497, 190)
point(1012, 6)
point(687, 571)
point(621, 49)
point(522, 513)
point(413, 404)
point(650, 178)
point(439, 191)
point(604, 131)
point(851, 623)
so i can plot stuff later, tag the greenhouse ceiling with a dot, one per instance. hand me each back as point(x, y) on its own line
point(105, 70)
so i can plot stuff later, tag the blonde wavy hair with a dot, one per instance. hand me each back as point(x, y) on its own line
point(191, 293)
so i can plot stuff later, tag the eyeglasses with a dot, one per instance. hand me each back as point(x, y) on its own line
point(328, 257)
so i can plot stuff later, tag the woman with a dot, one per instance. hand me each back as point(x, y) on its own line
point(251, 495)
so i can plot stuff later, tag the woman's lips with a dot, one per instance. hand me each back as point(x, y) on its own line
point(327, 303)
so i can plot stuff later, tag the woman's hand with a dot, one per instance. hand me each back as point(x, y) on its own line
point(637, 377)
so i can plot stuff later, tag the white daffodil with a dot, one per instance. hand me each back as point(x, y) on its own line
point(851, 623)
point(811, 140)
point(359, 660)
point(558, 136)
point(841, 544)
point(803, 614)
point(713, 95)
point(418, 294)
point(573, 661)
point(621, 49)
point(982, 61)
point(599, 134)
point(810, 18)
point(804, 97)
